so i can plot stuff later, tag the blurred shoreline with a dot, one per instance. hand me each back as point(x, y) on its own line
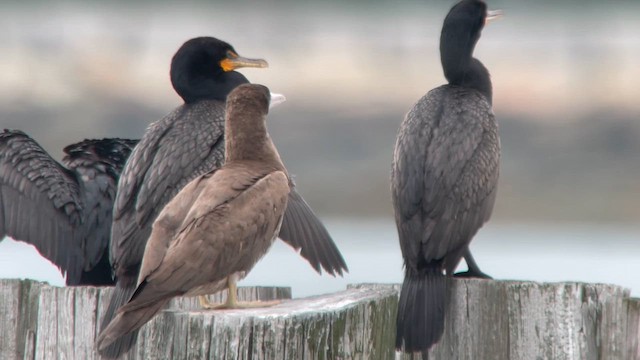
point(565, 89)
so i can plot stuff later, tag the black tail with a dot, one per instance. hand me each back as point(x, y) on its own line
point(421, 311)
point(121, 295)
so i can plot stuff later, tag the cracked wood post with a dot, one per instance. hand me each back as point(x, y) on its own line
point(486, 320)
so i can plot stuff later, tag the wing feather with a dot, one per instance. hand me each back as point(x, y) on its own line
point(41, 202)
point(64, 213)
point(303, 231)
point(445, 172)
point(98, 164)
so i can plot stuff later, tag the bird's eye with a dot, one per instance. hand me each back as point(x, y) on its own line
point(231, 54)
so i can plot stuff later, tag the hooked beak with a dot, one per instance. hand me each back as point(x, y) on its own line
point(276, 99)
point(493, 15)
point(234, 61)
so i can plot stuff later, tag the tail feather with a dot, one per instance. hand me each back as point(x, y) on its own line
point(121, 295)
point(121, 334)
point(421, 311)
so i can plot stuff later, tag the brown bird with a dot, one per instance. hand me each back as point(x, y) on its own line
point(219, 225)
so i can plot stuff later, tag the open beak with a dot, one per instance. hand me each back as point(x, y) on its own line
point(234, 61)
point(276, 99)
point(493, 15)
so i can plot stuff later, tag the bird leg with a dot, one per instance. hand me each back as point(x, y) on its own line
point(232, 298)
point(473, 269)
point(206, 304)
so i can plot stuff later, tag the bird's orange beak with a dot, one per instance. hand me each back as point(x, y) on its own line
point(234, 61)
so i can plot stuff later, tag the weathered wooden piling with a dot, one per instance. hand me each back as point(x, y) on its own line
point(486, 320)
point(508, 320)
point(38, 321)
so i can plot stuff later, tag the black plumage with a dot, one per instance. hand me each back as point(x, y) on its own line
point(65, 212)
point(444, 178)
point(180, 147)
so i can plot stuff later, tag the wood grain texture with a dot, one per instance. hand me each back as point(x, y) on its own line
point(531, 321)
point(39, 321)
point(633, 328)
point(486, 320)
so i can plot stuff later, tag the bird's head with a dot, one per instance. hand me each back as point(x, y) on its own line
point(203, 68)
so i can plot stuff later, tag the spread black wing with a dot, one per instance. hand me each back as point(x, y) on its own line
point(64, 213)
point(98, 163)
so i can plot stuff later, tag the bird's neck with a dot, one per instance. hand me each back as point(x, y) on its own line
point(474, 76)
point(478, 78)
point(194, 87)
point(459, 66)
point(247, 140)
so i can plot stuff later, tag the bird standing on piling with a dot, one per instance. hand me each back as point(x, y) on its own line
point(65, 212)
point(173, 151)
point(219, 225)
point(444, 178)
point(180, 147)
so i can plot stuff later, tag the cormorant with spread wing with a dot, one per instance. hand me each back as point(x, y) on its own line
point(65, 212)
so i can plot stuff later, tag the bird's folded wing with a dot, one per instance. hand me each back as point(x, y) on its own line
point(439, 184)
point(460, 177)
point(222, 229)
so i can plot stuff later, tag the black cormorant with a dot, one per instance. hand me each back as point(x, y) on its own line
point(65, 212)
point(219, 225)
point(444, 178)
point(180, 147)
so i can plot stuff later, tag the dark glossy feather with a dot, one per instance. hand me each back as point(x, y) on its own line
point(64, 212)
point(445, 174)
point(302, 229)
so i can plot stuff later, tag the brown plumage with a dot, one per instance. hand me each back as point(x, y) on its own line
point(219, 225)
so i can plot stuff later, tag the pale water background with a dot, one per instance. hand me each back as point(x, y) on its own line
point(596, 253)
